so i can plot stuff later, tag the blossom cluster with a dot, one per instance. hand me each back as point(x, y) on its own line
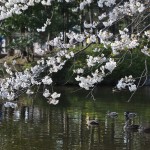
point(51, 97)
point(48, 22)
point(125, 42)
point(122, 42)
point(129, 8)
point(11, 7)
point(127, 82)
point(107, 3)
point(38, 49)
point(100, 3)
point(147, 33)
point(90, 25)
point(10, 104)
point(11, 87)
point(92, 61)
point(98, 75)
point(146, 51)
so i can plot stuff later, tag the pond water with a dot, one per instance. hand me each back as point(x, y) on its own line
point(35, 125)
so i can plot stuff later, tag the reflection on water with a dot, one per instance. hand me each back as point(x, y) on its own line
point(35, 125)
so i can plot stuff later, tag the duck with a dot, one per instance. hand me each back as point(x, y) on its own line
point(144, 130)
point(93, 122)
point(129, 115)
point(132, 127)
point(112, 114)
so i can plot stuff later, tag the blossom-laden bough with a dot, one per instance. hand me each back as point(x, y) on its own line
point(96, 31)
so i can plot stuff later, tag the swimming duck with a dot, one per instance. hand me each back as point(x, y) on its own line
point(145, 130)
point(112, 114)
point(132, 127)
point(129, 115)
point(91, 122)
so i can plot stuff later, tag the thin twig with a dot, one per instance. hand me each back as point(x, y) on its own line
point(138, 82)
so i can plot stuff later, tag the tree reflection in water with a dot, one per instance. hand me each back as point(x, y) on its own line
point(40, 126)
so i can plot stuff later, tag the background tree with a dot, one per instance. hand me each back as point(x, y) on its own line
point(109, 33)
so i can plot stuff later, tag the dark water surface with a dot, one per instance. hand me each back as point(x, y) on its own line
point(35, 125)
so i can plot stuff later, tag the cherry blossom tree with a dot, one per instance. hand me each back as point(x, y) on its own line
point(96, 28)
